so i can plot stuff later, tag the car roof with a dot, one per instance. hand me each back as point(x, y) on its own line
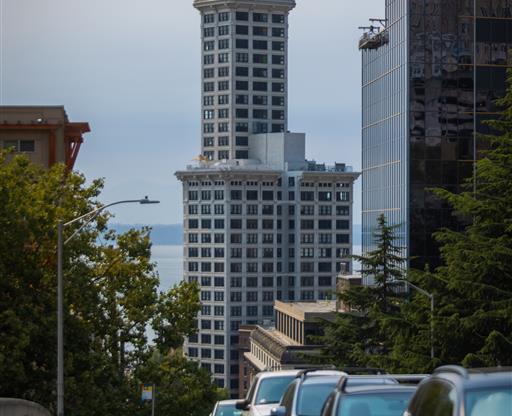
point(280, 373)
point(380, 388)
point(477, 378)
point(322, 379)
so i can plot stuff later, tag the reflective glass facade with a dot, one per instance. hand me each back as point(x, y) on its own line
point(456, 53)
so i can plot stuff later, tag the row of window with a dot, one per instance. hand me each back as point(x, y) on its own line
point(263, 45)
point(217, 326)
point(267, 238)
point(243, 71)
point(224, 154)
point(253, 252)
point(242, 127)
point(251, 296)
point(304, 295)
point(250, 209)
point(266, 281)
point(224, 30)
point(209, 86)
point(207, 353)
point(255, 267)
point(243, 57)
point(265, 224)
point(209, 100)
point(209, 18)
point(257, 114)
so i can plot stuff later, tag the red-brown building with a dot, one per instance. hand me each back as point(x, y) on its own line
point(43, 133)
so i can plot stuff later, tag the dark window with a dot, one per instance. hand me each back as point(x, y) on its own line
point(260, 114)
point(278, 115)
point(278, 18)
point(242, 71)
point(242, 30)
point(252, 195)
point(259, 58)
point(260, 44)
point(278, 32)
point(277, 59)
point(242, 141)
point(242, 43)
point(244, 16)
point(242, 99)
point(259, 86)
point(260, 17)
point(242, 113)
point(259, 31)
point(259, 99)
point(278, 101)
point(277, 128)
point(242, 85)
point(260, 72)
point(242, 154)
point(278, 73)
point(278, 87)
point(277, 46)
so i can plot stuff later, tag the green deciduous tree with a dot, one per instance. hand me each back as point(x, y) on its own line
point(111, 298)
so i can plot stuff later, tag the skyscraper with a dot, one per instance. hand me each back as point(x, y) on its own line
point(244, 73)
point(432, 71)
point(261, 223)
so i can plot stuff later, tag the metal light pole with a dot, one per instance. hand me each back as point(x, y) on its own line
point(431, 297)
point(60, 300)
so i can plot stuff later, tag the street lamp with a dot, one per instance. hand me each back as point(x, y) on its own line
point(90, 216)
point(431, 297)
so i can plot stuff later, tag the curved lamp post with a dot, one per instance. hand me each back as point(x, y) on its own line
point(90, 216)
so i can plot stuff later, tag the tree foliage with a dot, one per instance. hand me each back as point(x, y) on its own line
point(472, 289)
point(359, 337)
point(111, 297)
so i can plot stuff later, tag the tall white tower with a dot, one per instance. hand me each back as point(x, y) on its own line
point(244, 73)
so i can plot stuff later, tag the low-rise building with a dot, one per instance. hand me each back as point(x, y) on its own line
point(290, 343)
point(43, 133)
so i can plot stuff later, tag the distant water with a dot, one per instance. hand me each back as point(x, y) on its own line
point(169, 261)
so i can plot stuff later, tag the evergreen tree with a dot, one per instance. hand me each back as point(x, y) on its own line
point(359, 336)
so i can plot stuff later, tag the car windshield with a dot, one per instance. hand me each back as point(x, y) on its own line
point(311, 398)
point(227, 410)
point(374, 404)
point(492, 401)
point(271, 389)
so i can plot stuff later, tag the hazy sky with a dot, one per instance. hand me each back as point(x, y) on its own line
point(131, 68)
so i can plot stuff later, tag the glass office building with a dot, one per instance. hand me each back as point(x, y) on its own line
point(431, 76)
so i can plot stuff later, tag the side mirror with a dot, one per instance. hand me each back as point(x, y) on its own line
point(243, 404)
point(278, 411)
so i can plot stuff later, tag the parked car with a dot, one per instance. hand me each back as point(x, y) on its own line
point(455, 391)
point(369, 396)
point(265, 392)
point(226, 408)
point(306, 394)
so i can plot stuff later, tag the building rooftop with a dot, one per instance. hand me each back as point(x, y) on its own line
point(288, 4)
point(307, 311)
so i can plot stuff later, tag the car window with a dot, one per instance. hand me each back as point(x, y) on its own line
point(271, 389)
point(435, 398)
point(492, 401)
point(312, 397)
point(329, 404)
point(374, 404)
point(287, 400)
point(250, 393)
point(227, 410)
